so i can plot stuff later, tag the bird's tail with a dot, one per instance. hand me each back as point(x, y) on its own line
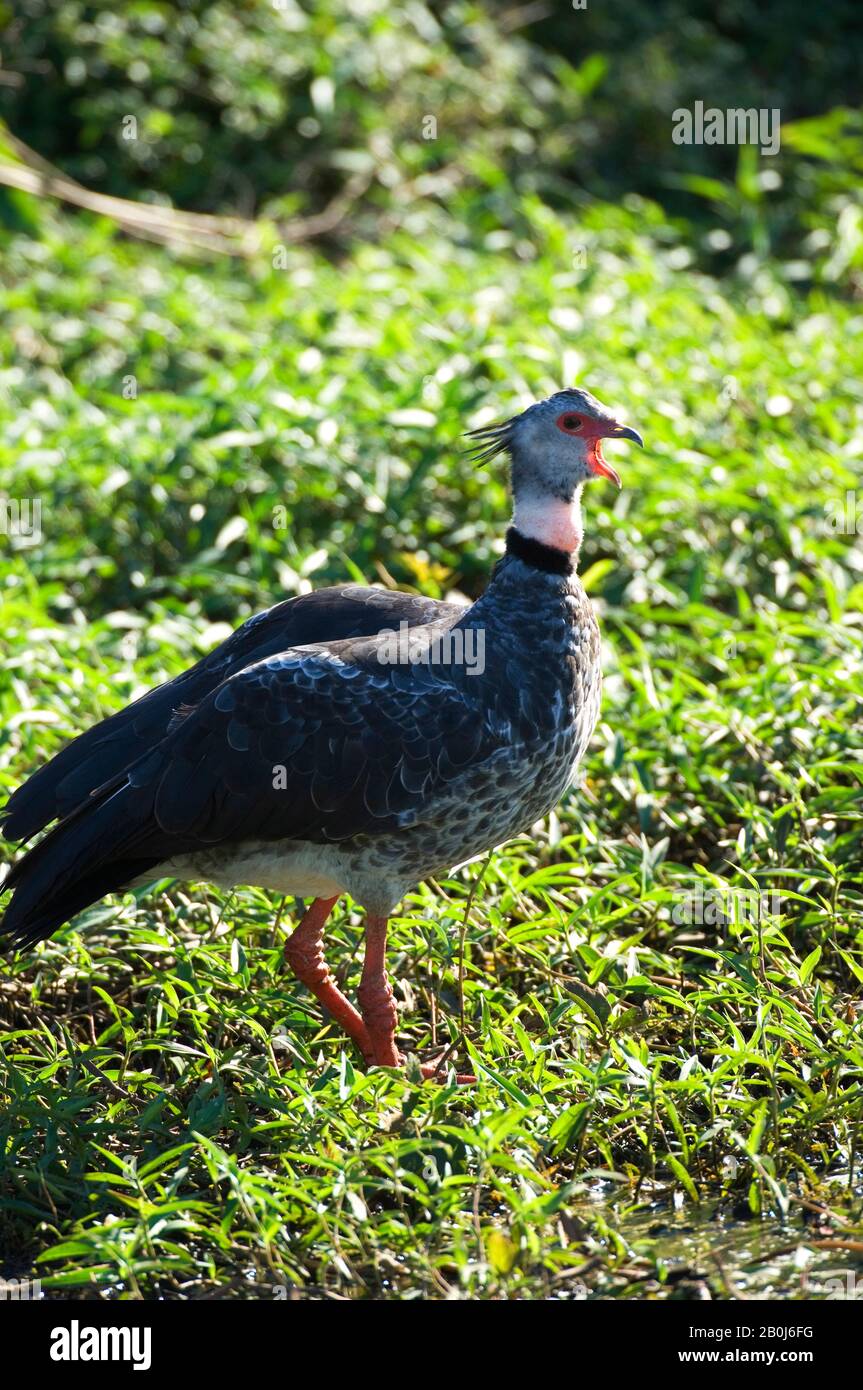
point(101, 847)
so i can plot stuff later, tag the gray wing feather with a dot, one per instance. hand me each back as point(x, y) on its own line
point(106, 750)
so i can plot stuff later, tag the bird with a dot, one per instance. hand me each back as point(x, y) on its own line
point(351, 740)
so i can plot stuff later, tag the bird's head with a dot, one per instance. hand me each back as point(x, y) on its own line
point(556, 444)
point(555, 447)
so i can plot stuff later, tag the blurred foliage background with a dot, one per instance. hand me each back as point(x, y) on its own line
point(514, 210)
point(269, 106)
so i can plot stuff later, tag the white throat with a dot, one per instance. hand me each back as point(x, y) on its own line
point(550, 520)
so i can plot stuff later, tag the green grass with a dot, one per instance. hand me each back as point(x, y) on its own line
point(178, 1116)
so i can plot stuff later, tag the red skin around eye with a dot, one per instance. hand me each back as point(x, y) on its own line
point(592, 431)
point(587, 428)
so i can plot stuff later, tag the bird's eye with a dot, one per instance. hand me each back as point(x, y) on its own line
point(570, 424)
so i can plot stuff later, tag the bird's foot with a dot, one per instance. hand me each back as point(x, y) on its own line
point(430, 1071)
point(437, 1071)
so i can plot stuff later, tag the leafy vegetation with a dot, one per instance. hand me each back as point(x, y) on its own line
point(659, 987)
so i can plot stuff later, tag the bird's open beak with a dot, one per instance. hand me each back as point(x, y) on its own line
point(617, 431)
point(597, 463)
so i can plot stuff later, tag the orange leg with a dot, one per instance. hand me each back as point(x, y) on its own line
point(376, 996)
point(379, 1009)
point(304, 953)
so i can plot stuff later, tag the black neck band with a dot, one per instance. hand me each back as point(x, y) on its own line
point(541, 557)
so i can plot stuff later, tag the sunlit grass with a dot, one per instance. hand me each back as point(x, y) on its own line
point(178, 1117)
